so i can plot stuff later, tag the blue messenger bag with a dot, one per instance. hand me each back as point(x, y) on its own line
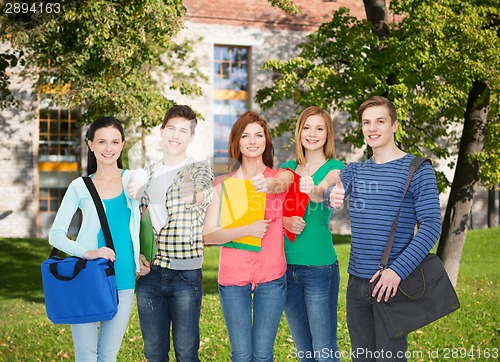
point(77, 290)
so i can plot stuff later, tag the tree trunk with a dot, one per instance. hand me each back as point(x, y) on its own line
point(376, 13)
point(491, 208)
point(466, 177)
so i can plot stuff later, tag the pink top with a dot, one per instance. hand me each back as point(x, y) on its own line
point(242, 267)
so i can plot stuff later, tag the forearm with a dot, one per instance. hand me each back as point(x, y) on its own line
point(280, 183)
point(216, 235)
point(58, 233)
point(423, 241)
point(317, 194)
point(326, 197)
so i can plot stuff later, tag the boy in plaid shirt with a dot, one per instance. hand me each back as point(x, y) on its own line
point(178, 191)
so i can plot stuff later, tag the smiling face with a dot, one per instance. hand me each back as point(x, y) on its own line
point(314, 133)
point(253, 141)
point(107, 145)
point(378, 127)
point(176, 136)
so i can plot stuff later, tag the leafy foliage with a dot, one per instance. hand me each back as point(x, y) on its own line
point(102, 54)
point(426, 66)
point(287, 6)
point(8, 59)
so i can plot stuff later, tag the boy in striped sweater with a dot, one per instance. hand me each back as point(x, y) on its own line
point(375, 188)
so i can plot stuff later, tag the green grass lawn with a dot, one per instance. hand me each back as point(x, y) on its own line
point(471, 333)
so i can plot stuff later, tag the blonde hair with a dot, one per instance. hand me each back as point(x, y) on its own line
point(328, 147)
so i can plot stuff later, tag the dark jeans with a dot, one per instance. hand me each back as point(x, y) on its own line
point(369, 338)
point(170, 297)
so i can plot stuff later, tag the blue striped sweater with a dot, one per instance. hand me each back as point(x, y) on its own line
point(375, 192)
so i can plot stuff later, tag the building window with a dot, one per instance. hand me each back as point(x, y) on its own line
point(59, 157)
point(231, 94)
point(59, 135)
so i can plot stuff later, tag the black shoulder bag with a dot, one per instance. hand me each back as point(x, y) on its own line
point(425, 295)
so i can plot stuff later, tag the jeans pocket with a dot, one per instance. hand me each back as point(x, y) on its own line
point(193, 277)
point(280, 282)
point(350, 281)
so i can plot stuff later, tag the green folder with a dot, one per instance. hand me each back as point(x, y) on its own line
point(147, 236)
point(236, 245)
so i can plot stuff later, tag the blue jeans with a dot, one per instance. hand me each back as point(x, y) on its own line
point(102, 344)
point(366, 328)
point(253, 340)
point(170, 297)
point(311, 310)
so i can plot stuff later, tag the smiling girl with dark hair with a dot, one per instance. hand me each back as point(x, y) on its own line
point(100, 341)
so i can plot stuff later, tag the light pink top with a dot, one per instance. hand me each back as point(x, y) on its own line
point(242, 267)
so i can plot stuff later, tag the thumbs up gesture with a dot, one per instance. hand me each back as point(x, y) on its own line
point(259, 181)
point(187, 191)
point(338, 194)
point(138, 179)
point(306, 183)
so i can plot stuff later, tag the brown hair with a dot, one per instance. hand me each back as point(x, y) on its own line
point(233, 146)
point(328, 147)
point(378, 101)
point(180, 111)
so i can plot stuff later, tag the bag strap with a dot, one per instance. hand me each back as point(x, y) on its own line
point(100, 212)
point(414, 165)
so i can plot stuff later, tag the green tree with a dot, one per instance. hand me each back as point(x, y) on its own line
point(101, 54)
point(439, 63)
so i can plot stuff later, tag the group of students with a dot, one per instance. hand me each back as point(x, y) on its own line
point(300, 278)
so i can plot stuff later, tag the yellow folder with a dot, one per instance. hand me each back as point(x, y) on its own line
point(241, 205)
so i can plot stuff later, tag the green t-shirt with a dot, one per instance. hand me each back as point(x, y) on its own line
point(314, 245)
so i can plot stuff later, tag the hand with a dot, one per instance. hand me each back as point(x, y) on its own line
point(258, 228)
point(387, 285)
point(133, 187)
point(259, 183)
point(145, 266)
point(306, 184)
point(338, 194)
point(187, 191)
point(103, 252)
point(294, 224)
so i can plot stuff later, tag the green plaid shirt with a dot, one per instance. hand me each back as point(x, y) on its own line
point(181, 238)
